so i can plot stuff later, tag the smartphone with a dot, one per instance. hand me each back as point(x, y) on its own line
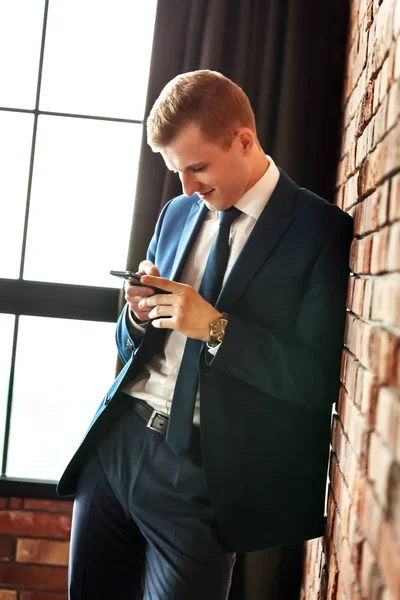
point(134, 279)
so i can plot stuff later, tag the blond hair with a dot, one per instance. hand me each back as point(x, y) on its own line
point(212, 102)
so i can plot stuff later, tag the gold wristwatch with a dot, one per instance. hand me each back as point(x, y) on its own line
point(217, 331)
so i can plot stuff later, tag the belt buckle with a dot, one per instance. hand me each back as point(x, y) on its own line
point(153, 417)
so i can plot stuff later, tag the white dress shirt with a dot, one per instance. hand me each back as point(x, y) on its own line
point(157, 382)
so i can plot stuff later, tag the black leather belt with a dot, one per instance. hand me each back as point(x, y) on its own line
point(153, 419)
point(158, 421)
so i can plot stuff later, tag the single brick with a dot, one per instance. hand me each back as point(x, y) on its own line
point(369, 289)
point(38, 577)
point(384, 349)
point(380, 245)
point(379, 465)
point(48, 505)
point(369, 393)
point(380, 121)
point(396, 23)
point(385, 77)
point(41, 596)
point(352, 367)
point(386, 300)
point(394, 498)
point(365, 112)
point(372, 170)
point(391, 151)
point(393, 259)
point(350, 192)
point(350, 292)
point(35, 524)
point(394, 201)
point(393, 105)
point(338, 436)
point(380, 36)
point(8, 595)
point(371, 518)
point(358, 297)
point(388, 417)
point(42, 551)
point(361, 263)
point(377, 93)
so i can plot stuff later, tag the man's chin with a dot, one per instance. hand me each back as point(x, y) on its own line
point(213, 202)
point(210, 206)
point(216, 205)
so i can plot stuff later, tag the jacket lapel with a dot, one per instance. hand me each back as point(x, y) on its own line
point(272, 224)
point(188, 238)
point(154, 338)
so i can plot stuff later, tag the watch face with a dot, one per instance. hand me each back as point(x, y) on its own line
point(218, 329)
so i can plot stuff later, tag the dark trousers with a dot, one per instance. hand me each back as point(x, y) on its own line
point(142, 523)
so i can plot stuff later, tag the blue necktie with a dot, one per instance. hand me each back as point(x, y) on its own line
point(181, 416)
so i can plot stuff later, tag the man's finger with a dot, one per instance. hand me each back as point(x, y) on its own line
point(138, 290)
point(147, 267)
point(157, 299)
point(164, 323)
point(162, 311)
point(161, 282)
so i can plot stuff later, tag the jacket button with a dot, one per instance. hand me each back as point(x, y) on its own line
point(106, 400)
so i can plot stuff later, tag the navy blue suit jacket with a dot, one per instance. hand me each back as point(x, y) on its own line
point(266, 398)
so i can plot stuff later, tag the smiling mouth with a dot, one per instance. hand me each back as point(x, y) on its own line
point(206, 195)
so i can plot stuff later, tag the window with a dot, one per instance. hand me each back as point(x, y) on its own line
point(73, 82)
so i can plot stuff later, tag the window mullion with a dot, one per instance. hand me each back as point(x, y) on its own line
point(9, 399)
point(28, 195)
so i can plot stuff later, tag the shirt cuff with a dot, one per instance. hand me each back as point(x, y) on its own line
point(213, 349)
point(134, 325)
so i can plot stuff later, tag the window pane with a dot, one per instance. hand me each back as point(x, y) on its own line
point(63, 370)
point(21, 23)
point(15, 148)
point(82, 199)
point(104, 71)
point(6, 340)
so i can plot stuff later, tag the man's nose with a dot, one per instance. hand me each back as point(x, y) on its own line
point(190, 185)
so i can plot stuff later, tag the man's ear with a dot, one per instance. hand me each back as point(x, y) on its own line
point(246, 139)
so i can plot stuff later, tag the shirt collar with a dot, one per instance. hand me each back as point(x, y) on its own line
point(253, 202)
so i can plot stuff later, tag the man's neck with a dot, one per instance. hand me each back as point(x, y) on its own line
point(259, 168)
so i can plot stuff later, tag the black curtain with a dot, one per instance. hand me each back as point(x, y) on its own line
point(288, 56)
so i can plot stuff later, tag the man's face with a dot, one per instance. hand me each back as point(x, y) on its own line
point(220, 177)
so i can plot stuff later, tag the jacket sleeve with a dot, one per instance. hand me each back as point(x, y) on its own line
point(303, 366)
point(126, 340)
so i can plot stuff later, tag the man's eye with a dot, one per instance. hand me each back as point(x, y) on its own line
point(198, 169)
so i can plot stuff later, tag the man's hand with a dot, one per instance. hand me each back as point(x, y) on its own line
point(183, 309)
point(134, 293)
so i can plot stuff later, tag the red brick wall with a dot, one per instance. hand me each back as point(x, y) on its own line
point(359, 556)
point(34, 544)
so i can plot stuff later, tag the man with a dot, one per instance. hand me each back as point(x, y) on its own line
point(233, 366)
